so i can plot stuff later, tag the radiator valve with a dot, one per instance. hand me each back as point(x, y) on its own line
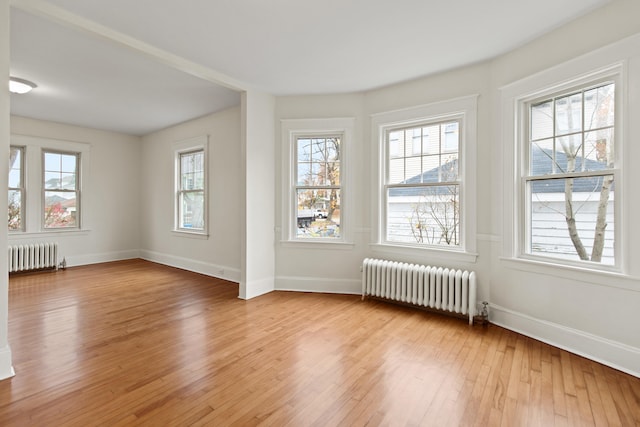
point(63, 263)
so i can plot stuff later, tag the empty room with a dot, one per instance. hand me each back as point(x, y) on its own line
point(332, 214)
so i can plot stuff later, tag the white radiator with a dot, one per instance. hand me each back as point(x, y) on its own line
point(36, 256)
point(426, 286)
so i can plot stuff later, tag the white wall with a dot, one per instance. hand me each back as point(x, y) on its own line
point(578, 311)
point(219, 254)
point(6, 368)
point(110, 198)
point(324, 267)
point(258, 194)
point(588, 313)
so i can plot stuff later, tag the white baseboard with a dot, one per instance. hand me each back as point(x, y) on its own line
point(75, 260)
point(611, 353)
point(208, 269)
point(6, 369)
point(318, 285)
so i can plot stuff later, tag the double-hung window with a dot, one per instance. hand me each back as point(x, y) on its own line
point(315, 179)
point(422, 184)
point(569, 173)
point(191, 186)
point(426, 163)
point(16, 188)
point(61, 190)
point(318, 186)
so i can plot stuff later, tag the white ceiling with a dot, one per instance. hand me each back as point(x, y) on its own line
point(279, 46)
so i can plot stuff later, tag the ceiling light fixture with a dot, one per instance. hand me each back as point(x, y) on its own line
point(20, 86)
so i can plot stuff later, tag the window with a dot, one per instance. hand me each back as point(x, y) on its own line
point(315, 181)
point(191, 186)
point(422, 184)
point(569, 174)
point(16, 189)
point(318, 186)
point(425, 198)
point(61, 190)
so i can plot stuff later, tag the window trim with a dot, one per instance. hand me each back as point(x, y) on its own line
point(463, 109)
point(612, 74)
point(22, 189)
point(34, 146)
point(514, 99)
point(291, 130)
point(192, 145)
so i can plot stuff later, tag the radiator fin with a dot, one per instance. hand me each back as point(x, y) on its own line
point(435, 287)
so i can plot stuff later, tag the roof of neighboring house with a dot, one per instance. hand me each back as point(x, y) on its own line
point(542, 164)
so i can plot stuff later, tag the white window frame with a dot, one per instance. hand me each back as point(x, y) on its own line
point(21, 189)
point(34, 191)
point(606, 63)
point(463, 110)
point(612, 74)
point(292, 129)
point(77, 190)
point(199, 143)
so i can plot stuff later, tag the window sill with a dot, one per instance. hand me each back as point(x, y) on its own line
point(190, 234)
point(428, 254)
point(318, 244)
point(18, 235)
point(605, 278)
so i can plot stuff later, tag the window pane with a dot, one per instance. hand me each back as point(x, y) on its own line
point(333, 173)
point(68, 181)
point(569, 153)
point(431, 144)
point(599, 106)
point(304, 174)
point(52, 162)
point(304, 150)
point(14, 178)
point(68, 163)
point(318, 152)
point(598, 149)
point(333, 149)
point(396, 171)
point(15, 165)
point(413, 171)
point(424, 215)
point(450, 137)
point(541, 159)
point(542, 120)
point(60, 209)
point(15, 210)
point(52, 181)
point(431, 166)
point(192, 171)
point(449, 168)
point(569, 114)
point(318, 214)
point(394, 145)
point(192, 212)
point(566, 214)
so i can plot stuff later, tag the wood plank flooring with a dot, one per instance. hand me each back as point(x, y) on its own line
point(136, 343)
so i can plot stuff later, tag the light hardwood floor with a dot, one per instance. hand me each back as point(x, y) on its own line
point(136, 343)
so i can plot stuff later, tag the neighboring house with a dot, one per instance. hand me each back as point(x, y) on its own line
point(412, 211)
